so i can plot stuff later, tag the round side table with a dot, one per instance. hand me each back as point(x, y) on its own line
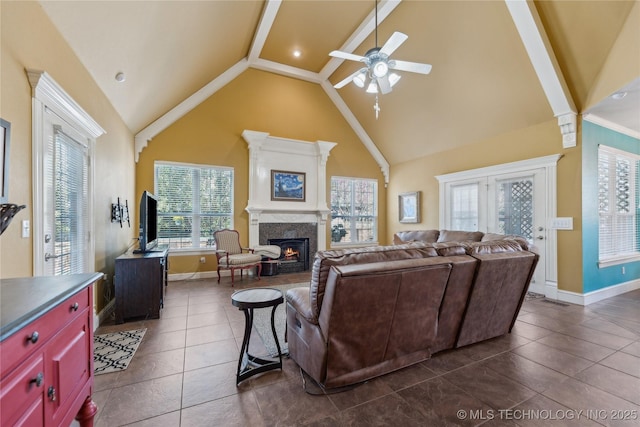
point(247, 300)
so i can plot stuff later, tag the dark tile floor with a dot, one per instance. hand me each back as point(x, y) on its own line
point(563, 365)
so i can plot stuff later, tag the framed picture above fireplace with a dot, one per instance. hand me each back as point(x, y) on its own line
point(288, 186)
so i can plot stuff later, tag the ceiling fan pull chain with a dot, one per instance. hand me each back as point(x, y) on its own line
point(376, 107)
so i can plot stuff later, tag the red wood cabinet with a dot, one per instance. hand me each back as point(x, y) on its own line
point(46, 355)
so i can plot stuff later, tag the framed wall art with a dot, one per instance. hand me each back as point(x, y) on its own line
point(288, 186)
point(409, 207)
point(5, 136)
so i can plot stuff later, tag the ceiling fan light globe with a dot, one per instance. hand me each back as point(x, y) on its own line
point(373, 87)
point(380, 69)
point(359, 79)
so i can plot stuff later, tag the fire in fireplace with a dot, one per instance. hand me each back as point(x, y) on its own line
point(294, 254)
point(290, 254)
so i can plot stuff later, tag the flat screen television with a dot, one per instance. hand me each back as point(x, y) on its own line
point(148, 237)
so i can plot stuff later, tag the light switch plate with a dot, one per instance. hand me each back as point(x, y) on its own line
point(26, 228)
point(562, 223)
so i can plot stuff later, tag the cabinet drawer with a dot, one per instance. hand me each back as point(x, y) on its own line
point(21, 394)
point(20, 345)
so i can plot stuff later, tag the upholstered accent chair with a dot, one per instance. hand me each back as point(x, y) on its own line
point(232, 256)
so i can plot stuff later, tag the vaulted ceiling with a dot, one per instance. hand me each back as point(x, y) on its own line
point(482, 83)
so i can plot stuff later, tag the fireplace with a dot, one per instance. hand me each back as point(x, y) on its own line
point(294, 255)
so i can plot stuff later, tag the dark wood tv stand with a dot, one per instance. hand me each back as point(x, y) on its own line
point(140, 279)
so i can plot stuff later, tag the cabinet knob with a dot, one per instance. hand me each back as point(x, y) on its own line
point(33, 337)
point(51, 393)
point(75, 306)
point(37, 380)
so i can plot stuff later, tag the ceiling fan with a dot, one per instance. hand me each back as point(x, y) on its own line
point(379, 68)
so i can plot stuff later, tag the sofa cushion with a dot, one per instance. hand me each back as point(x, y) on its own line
point(428, 236)
point(499, 287)
point(460, 236)
point(450, 248)
point(380, 317)
point(325, 259)
point(494, 246)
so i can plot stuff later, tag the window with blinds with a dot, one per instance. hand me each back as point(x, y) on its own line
point(70, 185)
point(619, 213)
point(193, 202)
point(464, 207)
point(354, 210)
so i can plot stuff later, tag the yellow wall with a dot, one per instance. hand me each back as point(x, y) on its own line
point(29, 40)
point(536, 141)
point(264, 102)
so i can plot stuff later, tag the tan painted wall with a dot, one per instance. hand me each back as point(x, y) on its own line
point(265, 102)
point(536, 141)
point(29, 40)
point(622, 66)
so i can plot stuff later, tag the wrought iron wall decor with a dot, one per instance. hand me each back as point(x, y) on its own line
point(7, 212)
point(120, 212)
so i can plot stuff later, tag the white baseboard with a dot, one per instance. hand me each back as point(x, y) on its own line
point(551, 290)
point(104, 314)
point(536, 288)
point(598, 295)
point(196, 275)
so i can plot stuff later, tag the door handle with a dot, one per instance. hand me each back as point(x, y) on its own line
point(540, 237)
point(48, 256)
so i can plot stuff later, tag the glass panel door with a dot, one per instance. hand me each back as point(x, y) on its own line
point(66, 198)
point(518, 207)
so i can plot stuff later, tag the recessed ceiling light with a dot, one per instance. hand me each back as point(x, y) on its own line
point(619, 95)
point(120, 77)
point(297, 53)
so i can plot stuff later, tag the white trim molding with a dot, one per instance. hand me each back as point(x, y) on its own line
point(47, 94)
point(253, 60)
point(51, 94)
point(597, 120)
point(267, 153)
point(143, 137)
point(597, 295)
point(549, 164)
point(534, 37)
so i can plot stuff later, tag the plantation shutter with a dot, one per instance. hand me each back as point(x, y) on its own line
point(618, 203)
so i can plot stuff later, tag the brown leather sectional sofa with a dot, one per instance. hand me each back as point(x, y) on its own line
point(370, 311)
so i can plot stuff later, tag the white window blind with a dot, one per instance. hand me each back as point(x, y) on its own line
point(193, 202)
point(464, 207)
point(618, 209)
point(69, 174)
point(354, 210)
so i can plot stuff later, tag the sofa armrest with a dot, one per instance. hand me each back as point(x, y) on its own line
point(298, 298)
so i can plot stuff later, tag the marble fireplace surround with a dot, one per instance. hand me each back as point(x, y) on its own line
point(267, 153)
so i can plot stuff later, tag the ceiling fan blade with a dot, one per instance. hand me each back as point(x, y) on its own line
point(383, 83)
point(346, 81)
point(345, 55)
point(413, 67)
point(393, 43)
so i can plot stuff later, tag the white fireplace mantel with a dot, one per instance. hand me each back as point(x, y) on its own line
point(267, 153)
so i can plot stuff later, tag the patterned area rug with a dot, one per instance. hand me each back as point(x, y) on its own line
point(262, 322)
point(113, 352)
